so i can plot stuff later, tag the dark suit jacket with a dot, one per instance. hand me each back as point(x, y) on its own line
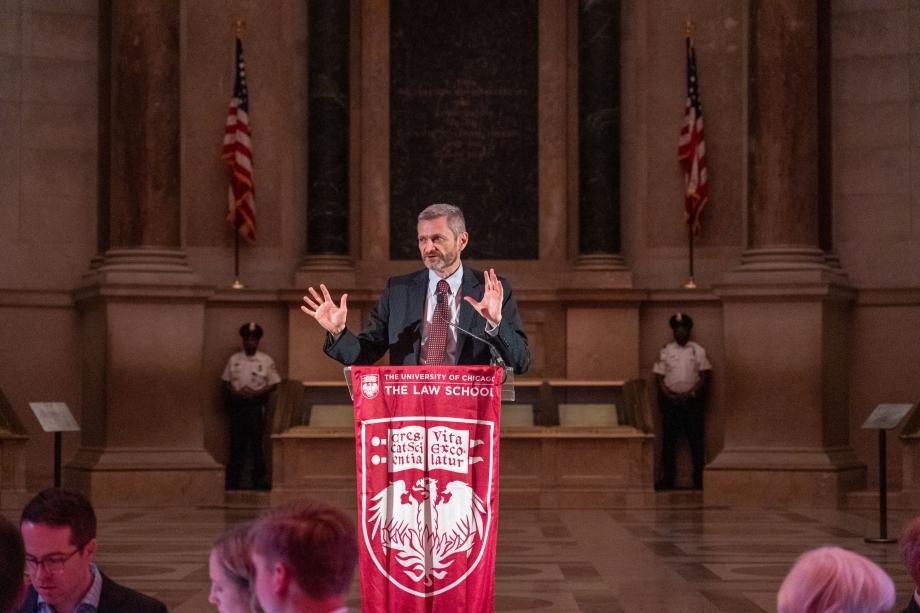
point(395, 325)
point(912, 607)
point(114, 598)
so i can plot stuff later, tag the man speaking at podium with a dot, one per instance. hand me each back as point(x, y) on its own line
point(427, 317)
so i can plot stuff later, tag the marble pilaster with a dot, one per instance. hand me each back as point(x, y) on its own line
point(786, 311)
point(141, 304)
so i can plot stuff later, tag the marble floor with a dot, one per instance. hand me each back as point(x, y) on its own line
point(675, 555)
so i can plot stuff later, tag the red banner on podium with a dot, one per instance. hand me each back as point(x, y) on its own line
point(427, 458)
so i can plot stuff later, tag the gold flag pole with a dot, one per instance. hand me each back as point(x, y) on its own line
point(690, 32)
point(239, 28)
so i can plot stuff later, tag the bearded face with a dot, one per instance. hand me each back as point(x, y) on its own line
point(439, 248)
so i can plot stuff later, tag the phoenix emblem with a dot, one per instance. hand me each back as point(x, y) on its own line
point(427, 526)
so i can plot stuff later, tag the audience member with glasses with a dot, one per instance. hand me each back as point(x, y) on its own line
point(12, 564)
point(59, 531)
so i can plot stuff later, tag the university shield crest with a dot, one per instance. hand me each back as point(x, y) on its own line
point(370, 386)
point(426, 500)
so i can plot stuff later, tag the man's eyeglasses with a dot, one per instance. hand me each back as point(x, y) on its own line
point(53, 564)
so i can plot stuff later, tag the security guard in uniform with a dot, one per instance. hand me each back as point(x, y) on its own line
point(249, 377)
point(682, 373)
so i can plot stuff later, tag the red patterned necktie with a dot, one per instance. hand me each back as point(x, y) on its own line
point(436, 347)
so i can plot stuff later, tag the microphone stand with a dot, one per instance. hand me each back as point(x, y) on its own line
point(497, 359)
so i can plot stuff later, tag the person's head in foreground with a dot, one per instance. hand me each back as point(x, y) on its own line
point(304, 555)
point(12, 566)
point(231, 572)
point(59, 531)
point(834, 580)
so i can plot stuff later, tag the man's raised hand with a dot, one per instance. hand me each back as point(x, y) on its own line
point(325, 311)
point(490, 306)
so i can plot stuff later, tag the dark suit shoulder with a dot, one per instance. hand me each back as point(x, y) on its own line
point(410, 279)
point(117, 598)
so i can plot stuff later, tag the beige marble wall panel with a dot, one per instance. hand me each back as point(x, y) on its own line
point(42, 364)
point(875, 239)
point(874, 218)
point(65, 81)
point(873, 170)
point(275, 51)
point(654, 92)
point(154, 375)
point(70, 7)
point(773, 352)
point(602, 343)
point(55, 125)
point(60, 35)
point(842, 7)
point(57, 220)
point(9, 171)
point(864, 80)
point(545, 336)
point(882, 30)
point(880, 125)
point(914, 121)
point(874, 69)
point(48, 70)
point(10, 29)
point(221, 340)
point(10, 78)
point(56, 171)
point(881, 335)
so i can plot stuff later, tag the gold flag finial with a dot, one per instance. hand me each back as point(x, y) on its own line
point(239, 27)
point(690, 28)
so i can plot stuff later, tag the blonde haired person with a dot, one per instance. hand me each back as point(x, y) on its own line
point(834, 580)
point(231, 571)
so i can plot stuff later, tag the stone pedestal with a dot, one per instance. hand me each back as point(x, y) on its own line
point(786, 366)
point(142, 439)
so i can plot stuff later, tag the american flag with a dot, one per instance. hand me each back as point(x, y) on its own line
point(691, 150)
point(237, 152)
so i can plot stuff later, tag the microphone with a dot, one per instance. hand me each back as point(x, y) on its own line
point(497, 359)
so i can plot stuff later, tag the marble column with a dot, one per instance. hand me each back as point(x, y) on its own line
point(785, 311)
point(328, 137)
point(141, 305)
point(599, 136)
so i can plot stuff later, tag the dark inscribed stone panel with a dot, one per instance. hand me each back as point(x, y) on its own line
point(463, 122)
point(599, 126)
